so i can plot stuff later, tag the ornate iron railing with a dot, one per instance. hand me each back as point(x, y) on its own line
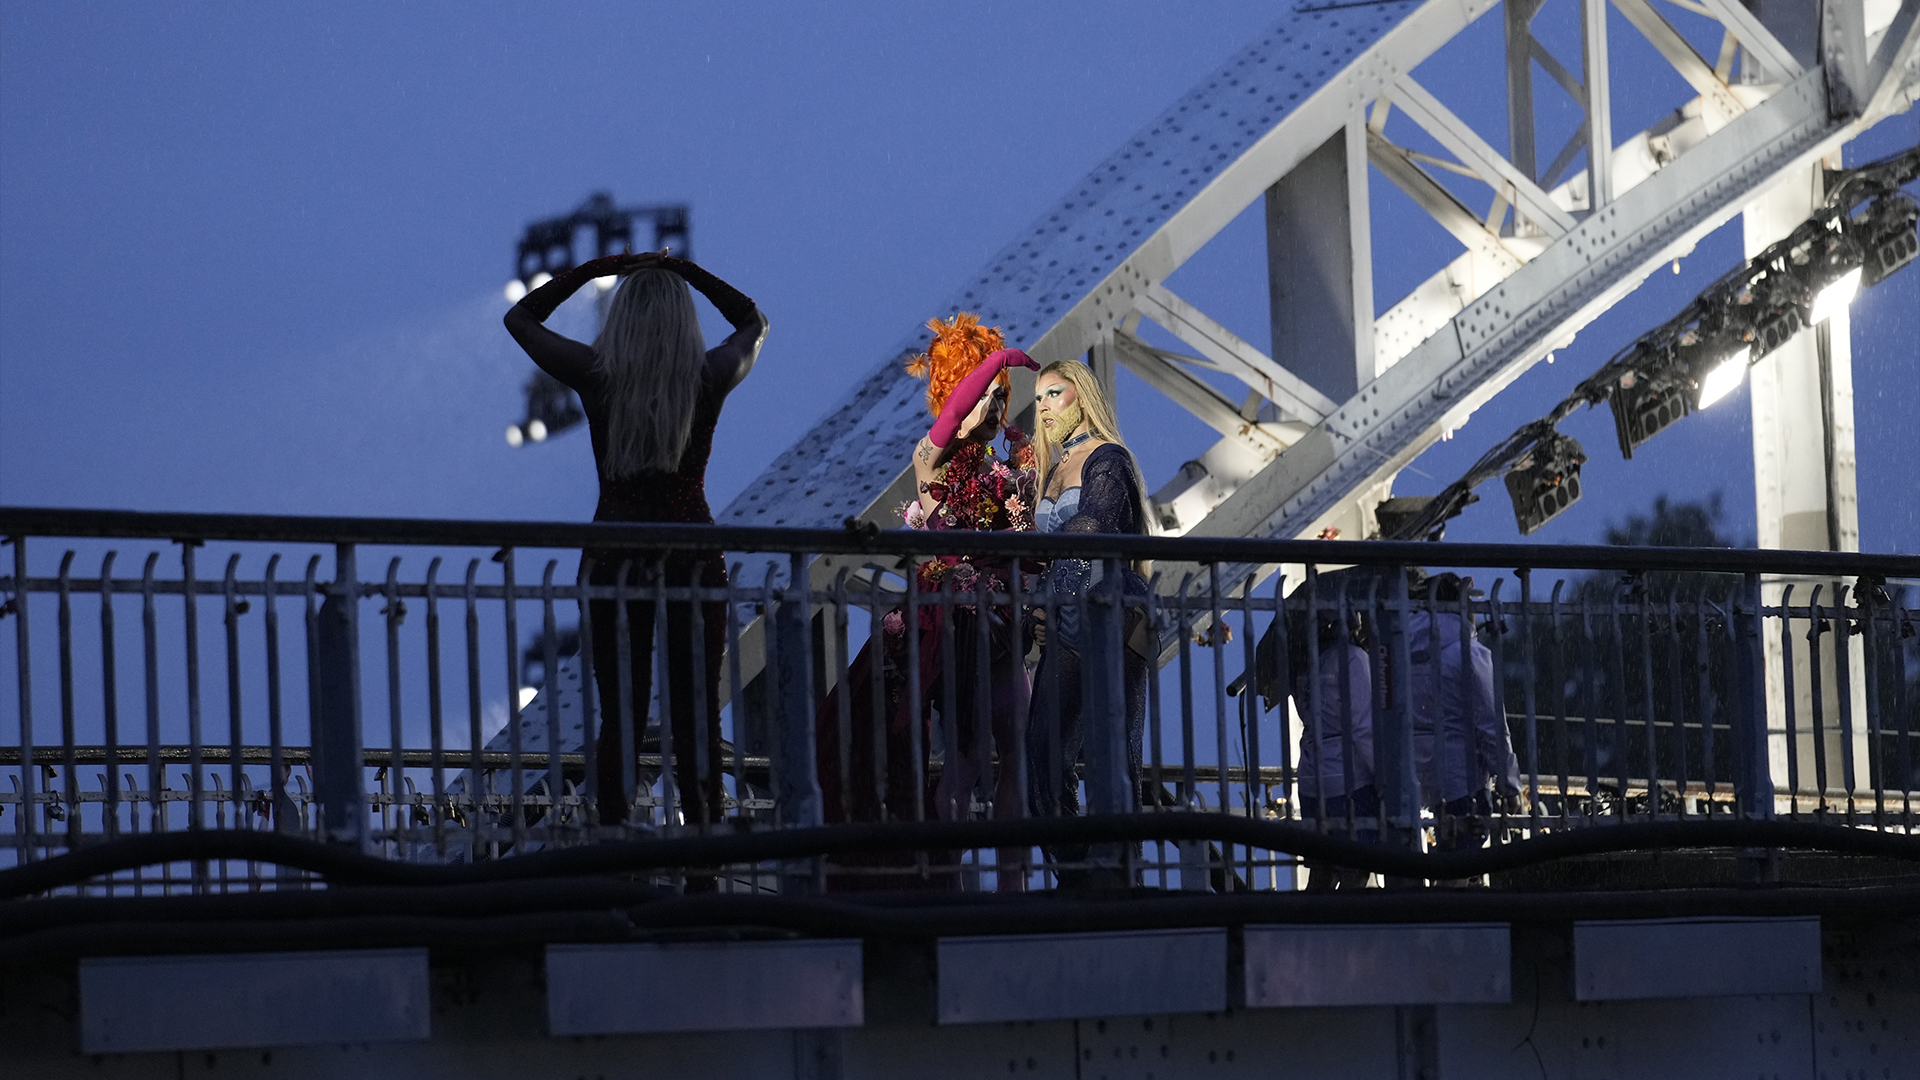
point(200, 701)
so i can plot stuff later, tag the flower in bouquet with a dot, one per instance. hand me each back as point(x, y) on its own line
point(914, 514)
point(964, 577)
point(894, 623)
point(1019, 514)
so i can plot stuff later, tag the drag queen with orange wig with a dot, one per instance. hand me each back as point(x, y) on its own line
point(962, 483)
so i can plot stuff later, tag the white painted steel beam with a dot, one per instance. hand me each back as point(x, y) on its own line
point(1598, 102)
point(1753, 36)
point(1440, 204)
point(1162, 371)
point(1519, 320)
point(1679, 53)
point(1233, 354)
point(1895, 69)
point(1464, 143)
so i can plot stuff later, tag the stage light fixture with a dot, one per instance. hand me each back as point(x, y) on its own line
point(1645, 402)
point(1888, 237)
point(606, 284)
point(539, 279)
point(1545, 482)
point(514, 437)
point(537, 431)
point(1777, 330)
point(516, 290)
point(1722, 379)
point(1835, 297)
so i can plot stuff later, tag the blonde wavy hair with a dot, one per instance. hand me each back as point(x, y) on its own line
point(957, 348)
point(1096, 411)
point(1097, 416)
point(652, 355)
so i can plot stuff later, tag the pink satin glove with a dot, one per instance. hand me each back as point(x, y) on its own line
point(971, 389)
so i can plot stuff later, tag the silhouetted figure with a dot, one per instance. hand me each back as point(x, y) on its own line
point(652, 393)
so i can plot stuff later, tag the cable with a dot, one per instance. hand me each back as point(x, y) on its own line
point(341, 865)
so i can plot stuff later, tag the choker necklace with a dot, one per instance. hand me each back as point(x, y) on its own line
point(1075, 441)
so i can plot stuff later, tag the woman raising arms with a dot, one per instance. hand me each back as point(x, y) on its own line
point(652, 393)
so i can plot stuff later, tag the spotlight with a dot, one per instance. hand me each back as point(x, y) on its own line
point(514, 437)
point(537, 431)
point(606, 284)
point(527, 694)
point(1722, 379)
point(516, 290)
point(1890, 239)
point(1545, 482)
point(539, 279)
point(1776, 331)
point(1835, 297)
point(1644, 406)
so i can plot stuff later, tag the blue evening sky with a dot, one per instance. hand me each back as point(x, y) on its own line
point(251, 255)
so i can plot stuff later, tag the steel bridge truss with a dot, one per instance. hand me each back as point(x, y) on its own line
point(1297, 118)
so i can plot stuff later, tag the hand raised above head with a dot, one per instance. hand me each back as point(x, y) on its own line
point(1010, 358)
point(630, 262)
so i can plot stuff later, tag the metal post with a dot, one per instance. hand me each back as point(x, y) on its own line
point(1593, 41)
point(1753, 779)
point(1103, 696)
point(1393, 724)
point(338, 778)
point(797, 797)
point(1520, 135)
point(24, 823)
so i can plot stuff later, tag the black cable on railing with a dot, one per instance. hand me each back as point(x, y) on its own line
point(345, 866)
point(881, 544)
point(506, 915)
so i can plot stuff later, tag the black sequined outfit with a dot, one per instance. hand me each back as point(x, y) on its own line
point(661, 496)
point(1109, 502)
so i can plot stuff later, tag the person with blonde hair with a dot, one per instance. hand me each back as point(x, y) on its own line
point(1089, 484)
point(652, 393)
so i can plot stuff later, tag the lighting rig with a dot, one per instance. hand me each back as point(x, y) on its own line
point(546, 249)
point(1702, 354)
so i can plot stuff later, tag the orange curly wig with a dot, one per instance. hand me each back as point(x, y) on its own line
point(957, 348)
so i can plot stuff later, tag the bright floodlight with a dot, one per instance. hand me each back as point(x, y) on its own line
point(515, 290)
point(1834, 298)
point(514, 437)
point(606, 284)
point(539, 279)
point(527, 694)
point(1723, 379)
point(536, 430)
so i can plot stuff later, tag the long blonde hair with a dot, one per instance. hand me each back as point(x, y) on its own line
point(1097, 416)
point(1096, 411)
point(651, 355)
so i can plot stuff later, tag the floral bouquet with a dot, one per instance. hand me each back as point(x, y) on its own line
point(976, 490)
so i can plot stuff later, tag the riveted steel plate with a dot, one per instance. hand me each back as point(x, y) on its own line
point(1678, 958)
point(703, 986)
point(146, 1003)
point(1423, 964)
point(1063, 976)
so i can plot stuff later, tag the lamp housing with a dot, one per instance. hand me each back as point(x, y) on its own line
point(1545, 482)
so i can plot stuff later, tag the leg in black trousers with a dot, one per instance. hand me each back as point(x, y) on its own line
point(700, 799)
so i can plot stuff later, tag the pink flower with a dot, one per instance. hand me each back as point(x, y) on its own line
point(893, 623)
point(914, 515)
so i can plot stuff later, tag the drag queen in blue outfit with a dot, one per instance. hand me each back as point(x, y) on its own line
point(1090, 485)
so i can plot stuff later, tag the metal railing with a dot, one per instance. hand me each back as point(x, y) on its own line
point(250, 678)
